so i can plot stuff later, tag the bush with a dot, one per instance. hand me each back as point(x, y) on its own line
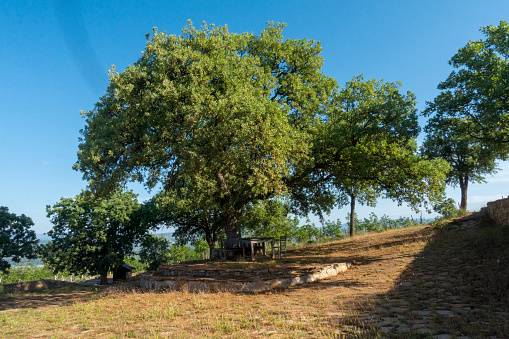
point(27, 272)
point(200, 247)
point(374, 224)
point(306, 233)
point(446, 208)
point(333, 230)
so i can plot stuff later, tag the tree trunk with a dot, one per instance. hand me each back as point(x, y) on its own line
point(352, 215)
point(104, 278)
point(212, 245)
point(464, 188)
point(232, 233)
point(230, 227)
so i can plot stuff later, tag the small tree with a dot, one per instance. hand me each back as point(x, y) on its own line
point(269, 218)
point(470, 160)
point(92, 234)
point(333, 229)
point(180, 209)
point(307, 232)
point(366, 148)
point(17, 241)
point(179, 253)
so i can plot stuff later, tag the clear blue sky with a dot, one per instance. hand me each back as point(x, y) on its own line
point(55, 57)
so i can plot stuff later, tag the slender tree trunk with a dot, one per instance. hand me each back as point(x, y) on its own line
point(104, 278)
point(463, 188)
point(212, 244)
point(352, 215)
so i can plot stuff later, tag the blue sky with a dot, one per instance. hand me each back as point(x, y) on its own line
point(55, 57)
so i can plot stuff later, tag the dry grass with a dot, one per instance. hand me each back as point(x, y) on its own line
point(415, 282)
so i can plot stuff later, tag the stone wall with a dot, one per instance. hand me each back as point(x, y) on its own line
point(257, 282)
point(498, 211)
point(239, 273)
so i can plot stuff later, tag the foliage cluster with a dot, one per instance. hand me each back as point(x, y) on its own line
point(334, 230)
point(28, 272)
point(17, 241)
point(154, 250)
point(157, 249)
point(92, 235)
point(384, 223)
point(476, 91)
point(447, 208)
point(269, 218)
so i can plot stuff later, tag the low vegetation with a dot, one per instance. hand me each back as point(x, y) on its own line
point(29, 272)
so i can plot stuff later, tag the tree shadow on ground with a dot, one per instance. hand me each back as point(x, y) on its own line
point(58, 293)
point(457, 286)
point(49, 297)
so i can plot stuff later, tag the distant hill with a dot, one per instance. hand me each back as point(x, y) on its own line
point(168, 236)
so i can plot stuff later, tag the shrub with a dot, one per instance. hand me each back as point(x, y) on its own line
point(446, 208)
point(333, 230)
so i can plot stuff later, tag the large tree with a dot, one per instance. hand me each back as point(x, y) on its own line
point(356, 189)
point(477, 91)
point(448, 138)
point(367, 148)
point(216, 119)
point(17, 240)
point(93, 234)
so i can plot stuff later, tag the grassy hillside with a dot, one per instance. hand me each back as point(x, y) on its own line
point(411, 283)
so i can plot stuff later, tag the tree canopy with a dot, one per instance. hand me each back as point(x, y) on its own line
point(222, 122)
point(17, 240)
point(477, 91)
point(366, 148)
point(92, 234)
point(215, 118)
